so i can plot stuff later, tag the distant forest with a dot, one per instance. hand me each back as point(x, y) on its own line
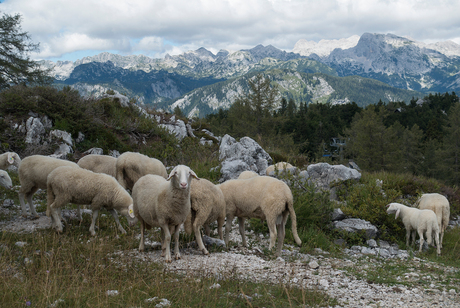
point(421, 136)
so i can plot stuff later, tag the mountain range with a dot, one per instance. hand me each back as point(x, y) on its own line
point(362, 69)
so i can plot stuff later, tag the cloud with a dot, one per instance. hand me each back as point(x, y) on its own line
point(160, 26)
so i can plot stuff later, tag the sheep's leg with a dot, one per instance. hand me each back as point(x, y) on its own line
point(93, 222)
point(241, 227)
point(420, 234)
point(220, 225)
point(141, 244)
point(281, 225)
point(31, 205)
point(441, 236)
point(115, 216)
point(207, 231)
point(273, 233)
point(438, 244)
point(80, 219)
point(199, 240)
point(55, 216)
point(228, 228)
point(176, 238)
point(23, 205)
point(167, 243)
point(163, 246)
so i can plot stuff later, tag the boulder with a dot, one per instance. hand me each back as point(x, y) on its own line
point(357, 225)
point(323, 174)
point(239, 156)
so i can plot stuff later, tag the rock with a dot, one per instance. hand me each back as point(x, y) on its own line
point(177, 128)
point(239, 156)
point(114, 153)
point(209, 241)
point(356, 225)
point(61, 135)
point(323, 174)
point(313, 264)
point(97, 151)
point(80, 138)
point(62, 152)
point(372, 243)
point(35, 131)
point(337, 214)
point(8, 203)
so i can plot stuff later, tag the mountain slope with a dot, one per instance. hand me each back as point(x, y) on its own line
point(302, 87)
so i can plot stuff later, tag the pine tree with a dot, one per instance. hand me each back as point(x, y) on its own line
point(449, 156)
point(15, 65)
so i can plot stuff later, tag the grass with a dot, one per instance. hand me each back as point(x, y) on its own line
point(76, 270)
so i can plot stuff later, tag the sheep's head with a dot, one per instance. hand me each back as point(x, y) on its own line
point(5, 180)
point(182, 176)
point(394, 208)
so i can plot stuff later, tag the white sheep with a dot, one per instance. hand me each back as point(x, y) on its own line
point(5, 179)
point(165, 203)
point(132, 166)
point(261, 197)
point(80, 186)
point(207, 205)
point(440, 206)
point(247, 175)
point(33, 172)
point(280, 166)
point(422, 221)
point(99, 164)
point(9, 159)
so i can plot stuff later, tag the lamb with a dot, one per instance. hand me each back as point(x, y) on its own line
point(33, 172)
point(5, 179)
point(247, 175)
point(99, 164)
point(164, 203)
point(68, 184)
point(132, 166)
point(207, 205)
point(9, 159)
point(440, 206)
point(422, 221)
point(261, 197)
point(281, 166)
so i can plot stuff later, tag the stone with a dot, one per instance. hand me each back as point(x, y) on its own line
point(240, 156)
point(35, 131)
point(209, 241)
point(337, 214)
point(372, 243)
point(176, 128)
point(356, 225)
point(114, 153)
point(313, 264)
point(96, 151)
point(61, 135)
point(323, 174)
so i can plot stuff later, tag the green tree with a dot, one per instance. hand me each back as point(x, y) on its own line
point(15, 65)
point(449, 155)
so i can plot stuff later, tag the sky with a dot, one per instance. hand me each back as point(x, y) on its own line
point(71, 30)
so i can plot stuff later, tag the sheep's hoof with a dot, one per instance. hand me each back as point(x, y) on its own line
point(168, 260)
point(205, 252)
point(177, 256)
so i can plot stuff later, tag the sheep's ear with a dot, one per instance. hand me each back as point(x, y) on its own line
point(397, 213)
point(10, 158)
point(171, 174)
point(131, 211)
point(194, 174)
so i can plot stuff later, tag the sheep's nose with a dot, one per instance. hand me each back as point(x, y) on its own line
point(183, 185)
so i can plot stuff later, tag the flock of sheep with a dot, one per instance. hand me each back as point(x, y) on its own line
point(168, 201)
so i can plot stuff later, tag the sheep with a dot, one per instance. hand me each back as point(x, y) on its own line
point(247, 175)
point(67, 184)
point(165, 203)
point(440, 206)
point(5, 179)
point(99, 164)
point(207, 205)
point(132, 166)
point(422, 221)
point(261, 197)
point(33, 172)
point(280, 166)
point(9, 159)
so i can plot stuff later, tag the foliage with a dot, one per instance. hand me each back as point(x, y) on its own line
point(15, 64)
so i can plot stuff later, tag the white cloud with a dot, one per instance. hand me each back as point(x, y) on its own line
point(126, 26)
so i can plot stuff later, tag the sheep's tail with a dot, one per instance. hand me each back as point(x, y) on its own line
point(290, 206)
point(188, 224)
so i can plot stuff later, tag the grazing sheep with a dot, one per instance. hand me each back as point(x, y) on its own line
point(440, 206)
point(132, 166)
point(164, 203)
point(80, 186)
point(422, 221)
point(261, 197)
point(207, 205)
point(281, 166)
point(247, 175)
point(5, 179)
point(9, 159)
point(33, 173)
point(99, 164)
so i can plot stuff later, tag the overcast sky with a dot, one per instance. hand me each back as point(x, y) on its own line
point(72, 29)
